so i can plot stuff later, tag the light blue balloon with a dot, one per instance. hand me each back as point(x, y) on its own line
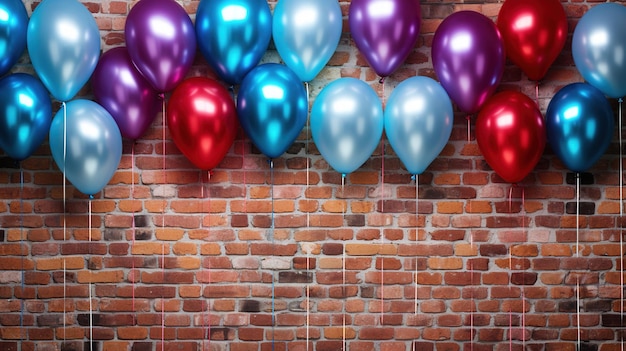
point(272, 108)
point(13, 27)
point(579, 124)
point(25, 115)
point(64, 45)
point(306, 34)
point(599, 48)
point(347, 123)
point(233, 35)
point(93, 145)
point(418, 122)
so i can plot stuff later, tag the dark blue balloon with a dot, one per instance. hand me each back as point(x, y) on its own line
point(579, 123)
point(233, 35)
point(25, 115)
point(272, 108)
point(13, 28)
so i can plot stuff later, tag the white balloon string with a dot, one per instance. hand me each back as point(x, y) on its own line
point(133, 230)
point(417, 181)
point(23, 269)
point(469, 128)
point(64, 107)
point(90, 284)
point(308, 214)
point(578, 337)
point(537, 93)
point(511, 269)
point(471, 269)
point(382, 211)
point(343, 280)
point(621, 217)
point(272, 234)
point(523, 277)
point(164, 115)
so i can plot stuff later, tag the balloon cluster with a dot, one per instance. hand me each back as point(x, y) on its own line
point(469, 52)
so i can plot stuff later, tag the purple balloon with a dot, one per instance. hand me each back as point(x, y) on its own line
point(385, 31)
point(161, 41)
point(125, 93)
point(468, 57)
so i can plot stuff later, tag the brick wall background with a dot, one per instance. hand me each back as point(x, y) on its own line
point(291, 258)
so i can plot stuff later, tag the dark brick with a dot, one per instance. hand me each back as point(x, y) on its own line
point(239, 221)
point(586, 208)
point(355, 220)
point(598, 306)
point(250, 306)
point(142, 221)
point(586, 178)
point(332, 249)
point(567, 306)
point(523, 278)
point(491, 250)
point(295, 277)
point(612, 320)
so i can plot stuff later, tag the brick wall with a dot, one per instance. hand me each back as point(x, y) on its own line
point(180, 259)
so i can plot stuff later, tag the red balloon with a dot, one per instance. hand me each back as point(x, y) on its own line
point(511, 134)
point(534, 33)
point(202, 119)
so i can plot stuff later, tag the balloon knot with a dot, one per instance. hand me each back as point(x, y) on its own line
point(16, 163)
point(413, 177)
point(468, 117)
point(91, 197)
point(620, 100)
point(231, 88)
point(162, 96)
point(382, 80)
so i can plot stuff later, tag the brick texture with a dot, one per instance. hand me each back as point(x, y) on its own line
point(185, 260)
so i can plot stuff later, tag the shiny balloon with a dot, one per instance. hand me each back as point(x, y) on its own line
point(233, 35)
point(125, 93)
point(511, 134)
point(468, 57)
point(272, 107)
point(534, 33)
point(202, 120)
point(63, 41)
point(599, 48)
point(161, 42)
point(579, 123)
point(25, 115)
point(13, 28)
point(347, 123)
point(418, 122)
point(385, 31)
point(306, 34)
point(93, 145)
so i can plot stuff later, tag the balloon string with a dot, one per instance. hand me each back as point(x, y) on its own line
point(308, 214)
point(471, 269)
point(64, 107)
point(207, 320)
point(523, 277)
point(382, 210)
point(469, 128)
point(273, 248)
point(133, 230)
point(23, 269)
point(164, 114)
point(511, 269)
point(578, 337)
point(537, 93)
point(343, 277)
point(90, 280)
point(621, 215)
point(417, 181)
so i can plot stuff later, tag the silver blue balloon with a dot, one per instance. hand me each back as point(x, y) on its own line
point(272, 108)
point(25, 115)
point(418, 122)
point(233, 35)
point(347, 123)
point(13, 27)
point(579, 124)
point(93, 145)
point(599, 48)
point(63, 41)
point(306, 34)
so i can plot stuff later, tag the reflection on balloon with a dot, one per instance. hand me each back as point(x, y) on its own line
point(468, 58)
point(272, 107)
point(93, 145)
point(534, 33)
point(64, 46)
point(161, 42)
point(13, 28)
point(579, 122)
point(125, 93)
point(418, 122)
point(306, 34)
point(599, 48)
point(385, 31)
point(347, 123)
point(233, 35)
point(511, 134)
point(202, 119)
point(25, 115)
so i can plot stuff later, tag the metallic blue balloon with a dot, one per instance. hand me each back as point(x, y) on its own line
point(64, 45)
point(347, 123)
point(306, 34)
point(233, 35)
point(272, 108)
point(579, 123)
point(13, 27)
point(599, 48)
point(25, 115)
point(93, 145)
point(418, 122)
